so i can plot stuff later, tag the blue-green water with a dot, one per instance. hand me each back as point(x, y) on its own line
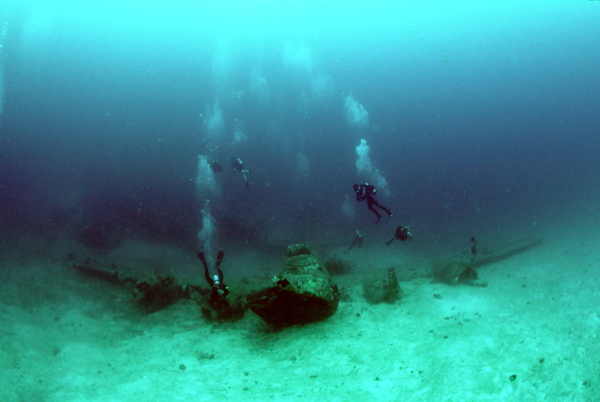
point(477, 117)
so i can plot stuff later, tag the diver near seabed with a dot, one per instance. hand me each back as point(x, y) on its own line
point(403, 233)
point(238, 166)
point(358, 241)
point(366, 192)
point(217, 306)
point(218, 289)
point(474, 244)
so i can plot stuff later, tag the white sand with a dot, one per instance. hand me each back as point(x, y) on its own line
point(66, 338)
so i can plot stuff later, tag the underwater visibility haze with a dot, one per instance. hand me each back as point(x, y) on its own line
point(467, 116)
point(144, 143)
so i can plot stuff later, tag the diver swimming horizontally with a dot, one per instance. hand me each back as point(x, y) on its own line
point(403, 233)
point(366, 192)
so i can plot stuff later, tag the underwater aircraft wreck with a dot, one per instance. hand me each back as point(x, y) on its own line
point(302, 293)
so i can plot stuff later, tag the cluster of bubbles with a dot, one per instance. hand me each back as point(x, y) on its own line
point(207, 233)
point(358, 118)
point(364, 166)
point(206, 187)
point(239, 136)
point(356, 115)
point(366, 170)
point(214, 124)
point(206, 182)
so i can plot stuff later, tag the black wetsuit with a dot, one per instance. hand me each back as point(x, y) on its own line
point(366, 192)
point(218, 289)
point(238, 166)
point(402, 233)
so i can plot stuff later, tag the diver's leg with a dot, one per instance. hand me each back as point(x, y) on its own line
point(378, 205)
point(370, 203)
point(245, 180)
point(209, 279)
point(352, 245)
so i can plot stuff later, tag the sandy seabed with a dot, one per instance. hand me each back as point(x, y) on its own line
point(529, 335)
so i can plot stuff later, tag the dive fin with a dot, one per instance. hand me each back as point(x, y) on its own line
point(201, 256)
point(220, 256)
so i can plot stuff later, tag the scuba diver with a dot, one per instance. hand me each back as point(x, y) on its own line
point(403, 233)
point(216, 306)
point(216, 166)
point(366, 192)
point(474, 244)
point(218, 290)
point(238, 166)
point(358, 241)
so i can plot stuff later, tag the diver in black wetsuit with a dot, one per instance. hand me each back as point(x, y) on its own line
point(403, 233)
point(218, 289)
point(238, 166)
point(217, 306)
point(366, 192)
point(216, 166)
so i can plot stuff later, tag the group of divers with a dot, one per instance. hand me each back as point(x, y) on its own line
point(364, 192)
